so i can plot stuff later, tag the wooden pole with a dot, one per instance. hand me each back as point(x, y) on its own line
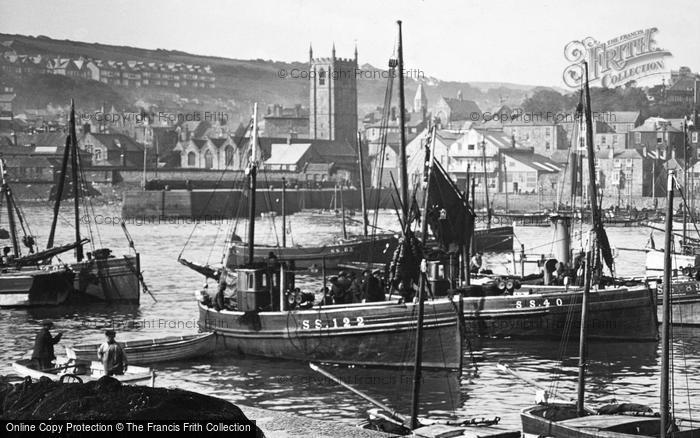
point(59, 193)
point(402, 123)
point(10, 212)
point(363, 200)
point(284, 213)
point(76, 184)
point(582, 350)
point(253, 181)
point(664, 408)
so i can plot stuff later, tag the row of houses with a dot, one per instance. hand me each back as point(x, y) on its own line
point(132, 74)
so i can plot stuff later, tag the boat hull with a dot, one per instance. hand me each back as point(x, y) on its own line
point(112, 280)
point(548, 312)
point(655, 262)
point(86, 371)
point(378, 250)
point(359, 334)
point(685, 302)
point(494, 239)
point(148, 351)
point(37, 287)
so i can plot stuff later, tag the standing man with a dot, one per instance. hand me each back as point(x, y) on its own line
point(476, 263)
point(43, 345)
point(112, 355)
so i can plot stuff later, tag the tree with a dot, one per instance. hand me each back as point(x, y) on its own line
point(545, 100)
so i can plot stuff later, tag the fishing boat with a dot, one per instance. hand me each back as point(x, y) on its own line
point(81, 371)
point(377, 248)
point(270, 317)
point(100, 276)
point(147, 351)
point(23, 283)
point(562, 419)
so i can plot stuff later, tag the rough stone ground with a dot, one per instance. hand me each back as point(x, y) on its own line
point(277, 424)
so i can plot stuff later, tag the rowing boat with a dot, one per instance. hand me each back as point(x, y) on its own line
point(81, 371)
point(148, 351)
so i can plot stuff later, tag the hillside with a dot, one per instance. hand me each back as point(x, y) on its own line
point(238, 82)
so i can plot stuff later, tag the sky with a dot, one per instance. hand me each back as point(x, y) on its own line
point(514, 41)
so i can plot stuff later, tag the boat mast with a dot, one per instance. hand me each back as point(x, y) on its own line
point(363, 200)
point(284, 213)
point(664, 408)
point(253, 175)
point(592, 186)
point(685, 181)
point(76, 187)
point(59, 193)
point(402, 122)
point(342, 211)
point(486, 182)
point(10, 212)
point(582, 352)
point(421, 291)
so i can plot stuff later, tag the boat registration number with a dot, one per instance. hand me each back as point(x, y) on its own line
point(318, 324)
point(538, 303)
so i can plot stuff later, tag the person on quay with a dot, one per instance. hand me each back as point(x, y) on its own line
point(476, 263)
point(43, 345)
point(372, 290)
point(112, 355)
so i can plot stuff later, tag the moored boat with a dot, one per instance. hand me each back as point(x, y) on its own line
point(35, 287)
point(147, 351)
point(83, 371)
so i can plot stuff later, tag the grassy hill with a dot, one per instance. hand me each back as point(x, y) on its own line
point(238, 82)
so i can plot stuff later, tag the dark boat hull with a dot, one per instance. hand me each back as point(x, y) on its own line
point(685, 303)
point(112, 280)
point(35, 287)
point(358, 334)
point(546, 312)
point(378, 250)
point(494, 239)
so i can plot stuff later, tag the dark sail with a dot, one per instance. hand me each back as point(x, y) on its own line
point(449, 216)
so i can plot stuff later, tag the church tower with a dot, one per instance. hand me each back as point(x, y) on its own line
point(420, 101)
point(333, 98)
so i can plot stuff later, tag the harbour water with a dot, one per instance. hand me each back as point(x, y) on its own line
point(628, 372)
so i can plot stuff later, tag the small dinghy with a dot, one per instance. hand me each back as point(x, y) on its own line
point(148, 351)
point(71, 370)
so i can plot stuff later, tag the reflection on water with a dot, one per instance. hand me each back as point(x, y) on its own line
point(625, 371)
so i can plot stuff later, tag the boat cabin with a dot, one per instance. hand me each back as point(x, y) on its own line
point(263, 287)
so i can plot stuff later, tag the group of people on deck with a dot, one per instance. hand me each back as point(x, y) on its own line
point(110, 352)
point(351, 288)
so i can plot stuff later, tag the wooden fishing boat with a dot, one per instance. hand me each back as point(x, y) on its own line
point(23, 283)
point(100, 276)
point(567, 420)
point(379, 249)
point(369, 334)
point(35, 287)
point(685, 301)
point(616, 313)
point(494, 239)
point(147, 351)
point(86, 371)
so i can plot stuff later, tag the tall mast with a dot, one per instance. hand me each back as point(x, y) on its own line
point(342, 211)
point(592, 186)
point(10, 211)
point(284, 213)
point(253, 176)
point(59, 193)
point(486, 182)
point(363, 200)
point(402, 147)
point(685, 179)
point(421, 292)
point(76, 186)
point(664, 408)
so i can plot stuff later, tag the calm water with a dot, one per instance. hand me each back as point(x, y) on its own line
point(626, 371)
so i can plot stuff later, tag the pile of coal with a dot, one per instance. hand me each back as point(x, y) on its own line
point(108, 399)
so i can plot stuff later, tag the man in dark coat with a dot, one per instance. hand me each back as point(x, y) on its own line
point(43, 346)
point(372, 290)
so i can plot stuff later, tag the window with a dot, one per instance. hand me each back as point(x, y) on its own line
point(208, 160)
point(546, 145)
point(614, 139)
point(98, 155)
point(548, 132)
point(470, 147)
point(322, 77)
point(694, 137)
point(659, 137)
point(603, 139)
point(229, 155)
point(617, 162)
point(637, 137)
point(191, 159)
